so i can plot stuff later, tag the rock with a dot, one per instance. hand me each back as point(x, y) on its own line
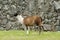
point(9, 12)
point(59, 17)
point(4, 21)
point(13, 6)
point(8, 16)
point(53, 19)
point(49, 21)
point(45, 15)
point(10, 1)
point(5, 2)
point(57, 22)
point(2, 17)
point(47, 27)
point(58, 28)
point(0, 6)
point(49, 15)
point(5, 7)
point(55, 14)
point(1, 28)
point(0, 21)
point(8, 26)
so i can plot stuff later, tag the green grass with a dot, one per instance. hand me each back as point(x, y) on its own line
point(21, 35)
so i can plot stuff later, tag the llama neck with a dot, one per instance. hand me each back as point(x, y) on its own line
point(20, 19)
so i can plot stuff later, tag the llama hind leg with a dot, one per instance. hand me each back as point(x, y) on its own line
point(42, 28)
point(39, 29)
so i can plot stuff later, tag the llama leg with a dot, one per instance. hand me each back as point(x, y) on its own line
point(42, 28)
point(39, 28)
point(28, 30)
point(24, 27)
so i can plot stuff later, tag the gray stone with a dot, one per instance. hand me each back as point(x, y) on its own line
point(4, 21)
point(10, 1)
point(13, 6)
point(49, 15)
point(55, 14)
point(8, 16)
point(46, 20)
point(0, 21)
point(2, 17)
point(1, 28)
point(59, 17)
point(9, 12)
point(47, 27)
point(5, 7)
point(57, 22)
point(58, 28)
point(8, 26)
point(5, 2)
point(1, 6)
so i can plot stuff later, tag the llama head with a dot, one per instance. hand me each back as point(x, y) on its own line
point(20, 18)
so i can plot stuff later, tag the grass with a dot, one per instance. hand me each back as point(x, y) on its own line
point(21, 35)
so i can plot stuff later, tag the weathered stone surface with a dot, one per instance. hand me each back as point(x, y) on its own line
point(57, 22)
point(4, 21)
point(59, 17)
point(58, 28)
point(47, 27)
point(5, 7)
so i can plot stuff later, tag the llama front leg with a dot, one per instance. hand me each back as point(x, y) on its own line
point(24, 27)
point(28, 29)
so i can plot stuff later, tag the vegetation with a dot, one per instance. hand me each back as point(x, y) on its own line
point(21, 35)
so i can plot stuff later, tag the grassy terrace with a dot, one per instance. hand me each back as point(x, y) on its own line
point(21, 35)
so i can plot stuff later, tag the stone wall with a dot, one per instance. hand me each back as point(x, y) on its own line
point(27, 7)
